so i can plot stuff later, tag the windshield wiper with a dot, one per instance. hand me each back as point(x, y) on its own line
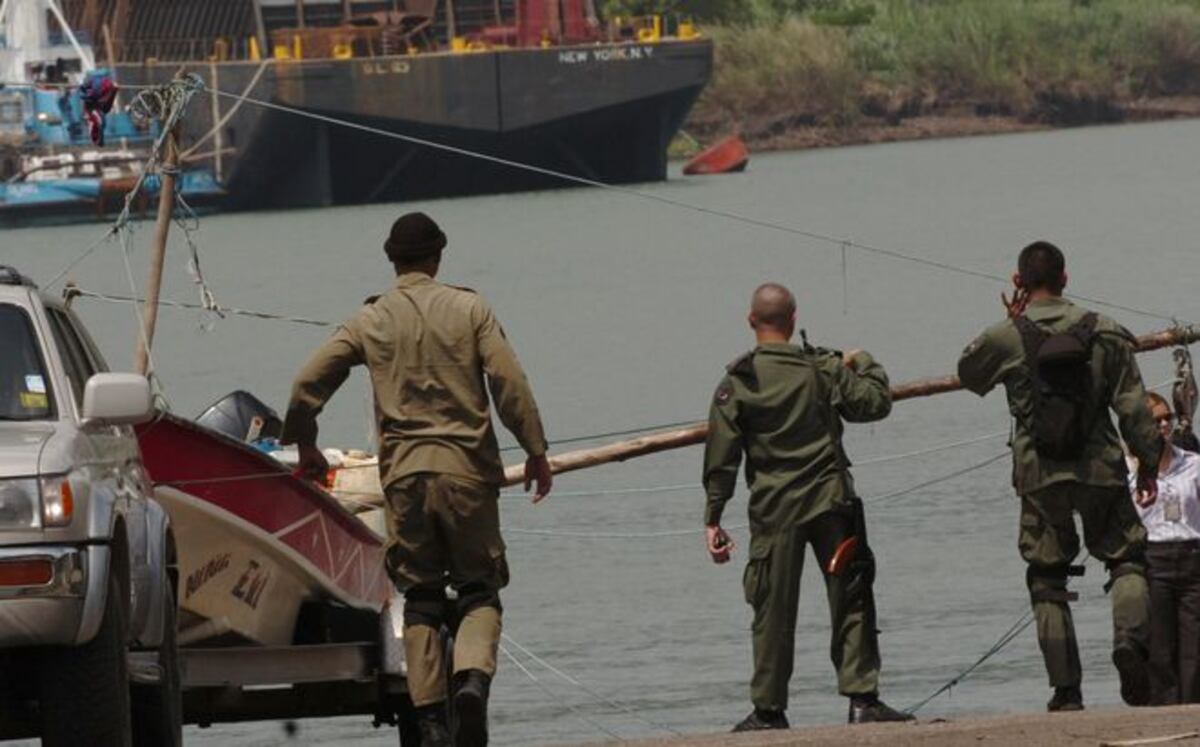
point(18, 418)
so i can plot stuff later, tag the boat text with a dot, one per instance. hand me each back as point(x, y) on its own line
point(395, 67)
point(205, 573)
point(609, 54)
point(250, 586)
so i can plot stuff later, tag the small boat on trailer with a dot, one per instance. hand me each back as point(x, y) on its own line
point(255, 542)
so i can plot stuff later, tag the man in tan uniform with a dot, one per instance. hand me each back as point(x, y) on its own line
point(433, 353)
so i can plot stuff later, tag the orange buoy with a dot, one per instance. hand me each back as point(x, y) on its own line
point(726, 156)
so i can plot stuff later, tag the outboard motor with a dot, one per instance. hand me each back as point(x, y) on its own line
point(243, 416)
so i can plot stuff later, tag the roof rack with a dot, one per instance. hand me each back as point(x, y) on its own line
point(10, 276)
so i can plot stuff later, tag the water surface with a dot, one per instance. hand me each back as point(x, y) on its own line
point(624, 312)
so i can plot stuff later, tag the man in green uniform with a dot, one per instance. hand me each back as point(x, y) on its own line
point(429, 348)
point(1067, 458)
point(783, 406)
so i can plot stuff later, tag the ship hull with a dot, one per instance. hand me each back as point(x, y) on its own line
point(604, 113)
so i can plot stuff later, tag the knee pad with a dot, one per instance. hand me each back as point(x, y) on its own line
point(424, 606)
point(1048, 583)
point(475, 595)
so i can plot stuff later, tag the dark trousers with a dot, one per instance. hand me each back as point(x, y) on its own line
point(1175, 621)
point(772, 584)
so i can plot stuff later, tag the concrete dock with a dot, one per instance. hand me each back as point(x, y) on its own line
point(1108, 727)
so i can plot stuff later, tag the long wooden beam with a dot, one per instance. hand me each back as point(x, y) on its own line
point(695, 434)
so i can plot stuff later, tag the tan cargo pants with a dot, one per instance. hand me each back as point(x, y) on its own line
point(445, 530)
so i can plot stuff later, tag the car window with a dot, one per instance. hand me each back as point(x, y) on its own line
point(70, 350)
point(98, 363)
point(25, 391)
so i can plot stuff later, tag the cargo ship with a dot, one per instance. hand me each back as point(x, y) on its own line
point(544, 83)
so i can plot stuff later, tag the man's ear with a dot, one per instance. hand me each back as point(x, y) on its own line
point(752, 321)
point(1064, 279)
point(1017, 282)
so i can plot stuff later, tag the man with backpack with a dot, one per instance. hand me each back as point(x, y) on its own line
point(1063, 369)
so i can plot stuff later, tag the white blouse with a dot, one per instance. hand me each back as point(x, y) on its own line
point(1176, 514)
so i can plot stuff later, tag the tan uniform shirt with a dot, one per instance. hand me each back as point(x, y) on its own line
point(428, 348)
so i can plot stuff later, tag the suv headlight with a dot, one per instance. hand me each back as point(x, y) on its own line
point(19, 504)
point(58, 501)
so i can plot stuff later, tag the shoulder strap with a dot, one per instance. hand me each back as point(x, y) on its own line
point(1085, 328)
point(1032, 335)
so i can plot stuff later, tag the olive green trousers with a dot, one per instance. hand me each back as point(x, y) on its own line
point(444, 530)
point(1049, 544)
point(772, 586)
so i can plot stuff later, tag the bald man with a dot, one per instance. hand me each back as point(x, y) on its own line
point(783, 406)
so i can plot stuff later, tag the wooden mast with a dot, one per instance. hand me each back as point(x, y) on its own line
point(695, 434)
point(162, 227)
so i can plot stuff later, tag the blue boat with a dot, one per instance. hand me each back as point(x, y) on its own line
point(53, 167)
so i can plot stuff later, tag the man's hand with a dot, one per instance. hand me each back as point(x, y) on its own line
point(313, 463)
point(537, 470)
point(848, 358)
point(720, 544)
point(1147, 489)
point(1015, 307)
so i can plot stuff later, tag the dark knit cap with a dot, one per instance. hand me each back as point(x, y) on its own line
point(414, 237)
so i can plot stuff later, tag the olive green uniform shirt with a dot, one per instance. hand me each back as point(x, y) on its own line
point(783, 407)
point(427, 348)
point(998, 356)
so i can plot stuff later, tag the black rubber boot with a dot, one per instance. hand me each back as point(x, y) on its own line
point(1065, 699)
point(470, 708)
point(1134, 671)
point(432, 721)
point(869, 709)
point(760, 720)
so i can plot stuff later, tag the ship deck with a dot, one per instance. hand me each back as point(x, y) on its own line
point(1114, 727)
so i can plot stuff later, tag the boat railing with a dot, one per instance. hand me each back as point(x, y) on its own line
point(368, 41)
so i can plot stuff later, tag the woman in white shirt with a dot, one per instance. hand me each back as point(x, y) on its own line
point(1173, 525)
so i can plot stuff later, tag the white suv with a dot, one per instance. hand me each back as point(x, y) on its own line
point(87, 558)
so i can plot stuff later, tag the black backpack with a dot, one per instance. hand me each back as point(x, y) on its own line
point(1061, 374)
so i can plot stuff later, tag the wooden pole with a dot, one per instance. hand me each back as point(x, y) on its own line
point(166, 203)
point(695, 434)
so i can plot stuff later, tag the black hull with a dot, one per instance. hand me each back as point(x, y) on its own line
point(604, 113)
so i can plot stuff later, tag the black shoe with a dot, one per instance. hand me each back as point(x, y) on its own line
point(470, 708)
point(1066, 699)
point(1134, 672)
point(432, 721)
point(869, 709)
point(759, 720)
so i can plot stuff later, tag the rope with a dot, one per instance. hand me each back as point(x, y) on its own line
point(229, 114)
point(596, 695)
point(944, 478)
point(557, 697)
point(1008, 637)
point(200, 307)
point(662, 199)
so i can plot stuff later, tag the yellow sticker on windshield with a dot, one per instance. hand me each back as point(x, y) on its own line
point(34, 401)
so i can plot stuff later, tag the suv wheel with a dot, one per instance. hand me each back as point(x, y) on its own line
point(85, 689)
point(158, 708)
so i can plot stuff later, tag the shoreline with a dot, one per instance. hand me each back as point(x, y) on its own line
point(780, 133)
point(1106, 727)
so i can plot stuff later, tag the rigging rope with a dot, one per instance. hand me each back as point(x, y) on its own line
point(623, 707)
point(558, 698)
point(662, 199)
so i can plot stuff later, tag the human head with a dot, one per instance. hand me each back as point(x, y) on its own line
point(415, 244)
point(1041, 267)
point(1160, 410)
point(773, 311)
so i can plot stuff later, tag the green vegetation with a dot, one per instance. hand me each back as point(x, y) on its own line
point(786, 62)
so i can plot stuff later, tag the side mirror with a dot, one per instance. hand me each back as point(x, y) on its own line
point(117, 399)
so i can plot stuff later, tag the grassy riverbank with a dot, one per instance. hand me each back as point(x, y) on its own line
point(850, 71)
